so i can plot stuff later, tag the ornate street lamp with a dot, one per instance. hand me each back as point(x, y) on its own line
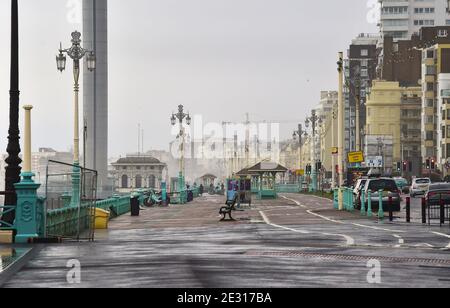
point(76, 53)
point(13, 161)
point(181, 116)
point(314, 121)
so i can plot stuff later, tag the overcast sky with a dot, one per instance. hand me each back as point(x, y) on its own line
point(220, 58)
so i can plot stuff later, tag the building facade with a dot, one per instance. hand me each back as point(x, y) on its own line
point(400, 19)
point(361, 69)
point(435, 64)
point(135, 172)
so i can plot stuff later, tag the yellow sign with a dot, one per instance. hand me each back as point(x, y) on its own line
point(335, 151)
point(355, 157)
point(300, 172)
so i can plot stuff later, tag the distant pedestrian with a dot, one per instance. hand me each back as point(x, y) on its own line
point(201, 190)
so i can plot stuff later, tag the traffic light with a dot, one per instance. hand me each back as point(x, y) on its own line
point(405, 166)
point(410, 166)
point(319, 166)
point(433, 164)
point(308, 170)
point(428, 163)
point(399, 166)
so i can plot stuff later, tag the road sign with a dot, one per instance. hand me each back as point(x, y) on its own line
point(335, 151)
point(375, 161)
point(355, 157)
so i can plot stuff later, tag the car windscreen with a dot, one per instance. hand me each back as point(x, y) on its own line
point(385, 185)
point(423, 181)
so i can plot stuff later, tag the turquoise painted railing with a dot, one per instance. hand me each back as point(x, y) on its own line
point(336, 198)
point(117, 205)
point(348, 199)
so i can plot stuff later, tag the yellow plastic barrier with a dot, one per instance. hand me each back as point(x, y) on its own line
point(101, 219)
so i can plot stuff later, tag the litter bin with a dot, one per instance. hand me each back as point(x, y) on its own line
point(135, 208)
point(101, 219)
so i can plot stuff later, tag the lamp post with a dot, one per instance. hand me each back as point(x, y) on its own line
point(76, 53)
point(181, 116)
point(299, 134)
point(13, 161)
point(314, 121)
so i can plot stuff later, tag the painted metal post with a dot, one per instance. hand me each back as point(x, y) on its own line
point(164, 192)
point(363, 203)
point(380, 207)
point(352, 203)
point(336, 198)
point(341, 197)
point(369, 204)
point(26, 222)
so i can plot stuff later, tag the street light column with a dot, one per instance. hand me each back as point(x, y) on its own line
point(76, 53)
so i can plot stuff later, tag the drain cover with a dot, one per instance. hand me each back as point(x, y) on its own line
point(9, 256)
point(342, 257)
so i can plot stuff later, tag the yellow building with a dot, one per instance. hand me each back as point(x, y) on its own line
point(384, 112)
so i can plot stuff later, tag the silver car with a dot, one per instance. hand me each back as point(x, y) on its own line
point(389, 189)
point(420, 186)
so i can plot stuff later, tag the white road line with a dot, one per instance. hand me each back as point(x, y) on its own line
point(342, 222)
point(350, 241)
point(444, 235)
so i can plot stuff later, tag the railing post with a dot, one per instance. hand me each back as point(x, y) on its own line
point(408, 209)
point(380, 206)
point(26, 223)
point(336, 198)
point(424, 210)
point(363, 203)
point(352, 204)
point(369, 204)
point(442, 211)
point(391, 213)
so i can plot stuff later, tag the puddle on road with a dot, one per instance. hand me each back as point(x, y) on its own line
point(9, 255)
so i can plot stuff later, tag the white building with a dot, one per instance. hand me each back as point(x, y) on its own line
point(403, 18)
point(444, 122)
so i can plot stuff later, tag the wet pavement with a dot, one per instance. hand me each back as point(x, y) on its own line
point(295, 241)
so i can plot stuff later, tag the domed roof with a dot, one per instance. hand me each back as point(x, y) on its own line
point(138, 160)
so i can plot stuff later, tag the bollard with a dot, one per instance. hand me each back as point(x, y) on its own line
point(424, 210)
point(352, 201)
point(369, 204)
point(336, 199)
point(380, 205)
point(391, 214)
point(363, 203)
point(341, 201)
point(442, 211)
point(408, 209)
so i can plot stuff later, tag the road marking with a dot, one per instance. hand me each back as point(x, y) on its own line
point(349, 240)
point(342, 222)
point(444, 235)
point(401, 241)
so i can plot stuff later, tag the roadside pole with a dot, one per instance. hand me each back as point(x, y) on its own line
point(341, 122)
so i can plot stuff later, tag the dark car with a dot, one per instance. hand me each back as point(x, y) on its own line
point(438, 194)
point(389, 190)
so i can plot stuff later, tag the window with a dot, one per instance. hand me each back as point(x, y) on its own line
point(364, 52)
point(430, 54)
point(364, 63)
point(124, 181)
point(429, 136)
point(443, 131)
point(430, 103)
point(430, 86)
point(448, 131)
point(138, 181)
point(442, 33)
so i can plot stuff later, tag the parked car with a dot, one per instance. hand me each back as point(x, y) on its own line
point(419, 186)
point(389, 189)
point(402, 184)
point(437, 193)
